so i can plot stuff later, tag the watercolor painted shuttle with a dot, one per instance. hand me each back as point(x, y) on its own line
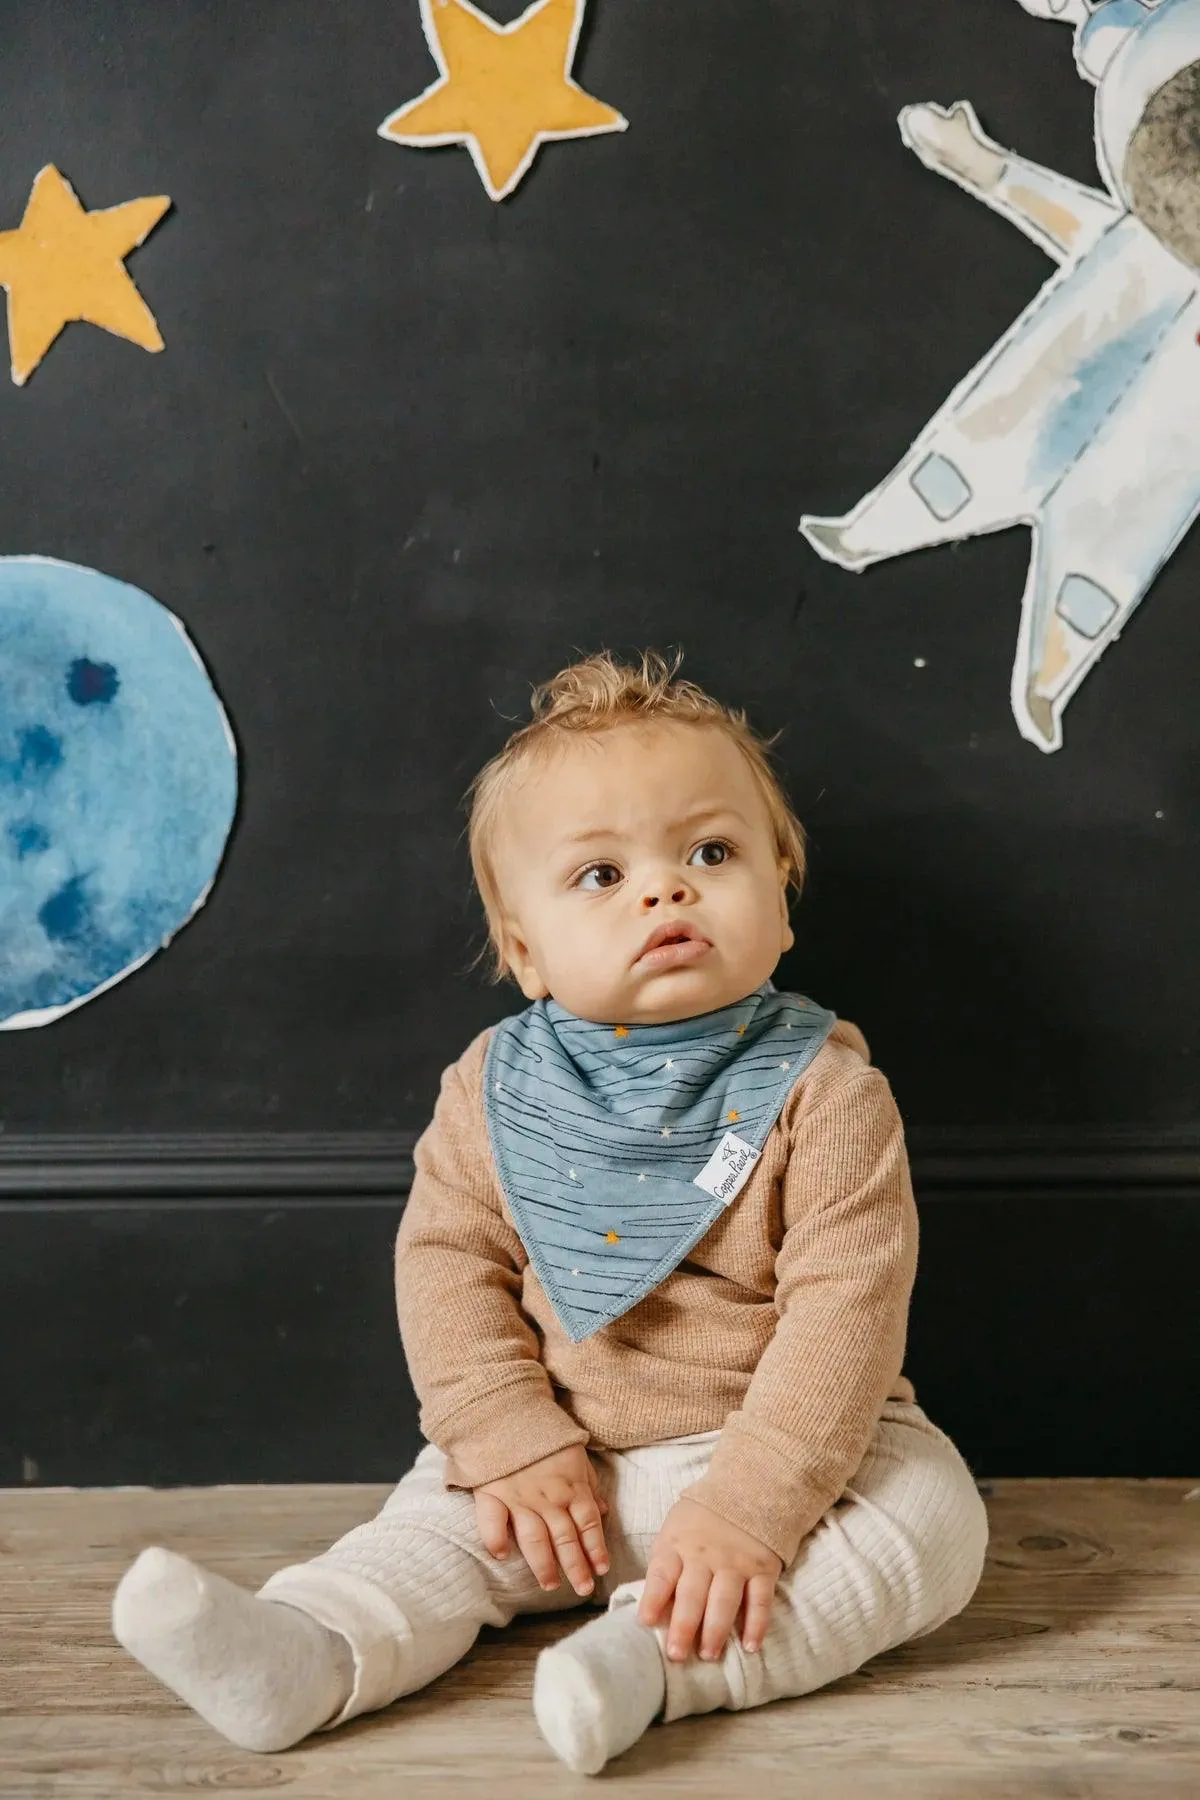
point(1083, 422)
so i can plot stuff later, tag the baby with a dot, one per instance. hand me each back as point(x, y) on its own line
point(653, 1281)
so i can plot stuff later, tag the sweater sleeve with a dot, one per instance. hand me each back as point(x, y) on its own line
point(844, 1279)
point(486, 1401)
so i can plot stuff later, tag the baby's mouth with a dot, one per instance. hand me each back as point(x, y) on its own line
point(674, 948)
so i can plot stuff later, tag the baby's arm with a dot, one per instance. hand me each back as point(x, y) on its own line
point(845, 1273)
point(486, 1400)
point(1061, 215)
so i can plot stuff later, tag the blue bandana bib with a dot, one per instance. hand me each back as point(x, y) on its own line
point(618, 1147)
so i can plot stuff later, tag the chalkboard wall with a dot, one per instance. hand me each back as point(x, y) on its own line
point(405, 453)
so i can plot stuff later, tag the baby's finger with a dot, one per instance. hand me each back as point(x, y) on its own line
point(491, 1516)
point(724, 1598)
point(594, 1484)
point(659, 1585)
point(760, 1593)
point(533, 1541)
point(586, 1513)
point(569, 1550)
point(691, 1598)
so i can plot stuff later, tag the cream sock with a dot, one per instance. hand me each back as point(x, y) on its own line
point(261, 1673)
point(595, 1693)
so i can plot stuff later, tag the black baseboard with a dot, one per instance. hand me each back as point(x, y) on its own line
point(216, 1309)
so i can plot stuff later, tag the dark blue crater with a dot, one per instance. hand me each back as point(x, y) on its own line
point(67, 913)
point(38, 748)
point(27, 839)
point(89, 682)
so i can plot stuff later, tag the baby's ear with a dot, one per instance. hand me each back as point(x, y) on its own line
point(521, 966)
point(789, 936)
point(531, 983)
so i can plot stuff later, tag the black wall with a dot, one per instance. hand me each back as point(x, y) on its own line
point(406, 451)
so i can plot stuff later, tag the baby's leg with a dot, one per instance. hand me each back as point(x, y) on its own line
point(897, 1556)
point(596, 1691)
point(384, 1611)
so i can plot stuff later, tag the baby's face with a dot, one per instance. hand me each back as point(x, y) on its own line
point(626, 830)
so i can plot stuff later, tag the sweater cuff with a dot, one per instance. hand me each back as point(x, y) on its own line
point(501, 1433)
point(763, 1489)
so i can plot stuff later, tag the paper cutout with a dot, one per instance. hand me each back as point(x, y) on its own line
point(503, 90)
point(118, 784)
point(1083, 422)
point(62, 264)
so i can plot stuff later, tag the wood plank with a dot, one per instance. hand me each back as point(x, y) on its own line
point(1074, 1672)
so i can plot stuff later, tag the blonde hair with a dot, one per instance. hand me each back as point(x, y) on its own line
point(594, 696)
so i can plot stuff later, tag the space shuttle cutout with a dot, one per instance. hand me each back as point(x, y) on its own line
point(1083, 422)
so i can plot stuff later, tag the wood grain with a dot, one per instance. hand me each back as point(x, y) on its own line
point(1075, 1672)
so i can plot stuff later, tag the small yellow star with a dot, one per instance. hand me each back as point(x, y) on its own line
point(731, 1116)
point(502, 90)
point(741, 1031)
point(610, 1237)
point(62, 264)
point(621, 1031)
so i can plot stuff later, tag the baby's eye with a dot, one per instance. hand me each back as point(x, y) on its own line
point(600, 869)
point(717, 844)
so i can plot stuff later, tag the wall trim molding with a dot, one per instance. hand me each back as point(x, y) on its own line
point(245, 1165)
point(352, 1166)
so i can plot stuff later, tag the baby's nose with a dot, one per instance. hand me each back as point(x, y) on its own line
point(678, 895)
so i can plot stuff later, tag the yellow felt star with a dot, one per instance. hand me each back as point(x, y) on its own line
point(621, 1031)
point(610, 1237)
point(731, 1116)
point(503, 89)
point(62, 263)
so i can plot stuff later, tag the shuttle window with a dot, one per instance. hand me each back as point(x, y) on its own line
point(941, 486)
point(1084, 605)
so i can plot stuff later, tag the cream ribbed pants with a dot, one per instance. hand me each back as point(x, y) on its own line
point(899, 1554)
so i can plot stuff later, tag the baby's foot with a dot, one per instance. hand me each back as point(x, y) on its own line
point(262, 1674)
point(595, 1693)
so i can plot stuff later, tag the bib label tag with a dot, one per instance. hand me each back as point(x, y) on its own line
point(728, 1169)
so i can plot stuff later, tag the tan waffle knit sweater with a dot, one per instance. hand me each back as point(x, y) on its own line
point(784, 1328)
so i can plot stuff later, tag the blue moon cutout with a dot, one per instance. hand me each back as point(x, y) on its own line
point(118, 784)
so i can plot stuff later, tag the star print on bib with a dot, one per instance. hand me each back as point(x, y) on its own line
point(618, 1147)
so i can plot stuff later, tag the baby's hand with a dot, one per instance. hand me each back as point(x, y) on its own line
point(553, 1507)
point(709, 1566)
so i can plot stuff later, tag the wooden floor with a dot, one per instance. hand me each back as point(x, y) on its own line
point(1075, 1673)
